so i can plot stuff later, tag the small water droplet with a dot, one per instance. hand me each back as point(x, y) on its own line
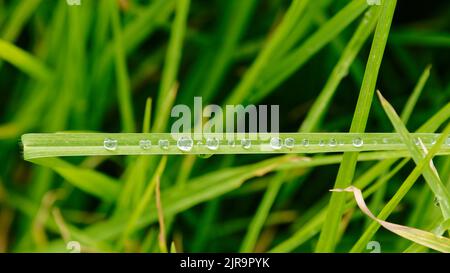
point(358, 142)
point(417, 141)
point(163, 144)
point(305, 142)
point(276, 143)
point(110, 144)
point(246, 143)
point(341, 142)
point(205, 155)
point(447, 141)
point(321, 142)
point(231, 143)
point(289, 142)
point(145, 144)
point(433, 141)
point(333, 142)
point(212, 143)
point(436, 202)
point(185, 143)
point(385, 140)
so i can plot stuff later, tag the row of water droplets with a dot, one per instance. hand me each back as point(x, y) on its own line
point(186, 144)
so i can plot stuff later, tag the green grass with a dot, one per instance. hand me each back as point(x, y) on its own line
point(73, 76)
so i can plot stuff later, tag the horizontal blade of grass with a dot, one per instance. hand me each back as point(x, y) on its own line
point(89, 144)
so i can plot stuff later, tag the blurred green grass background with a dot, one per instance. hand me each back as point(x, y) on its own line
point(93, 67)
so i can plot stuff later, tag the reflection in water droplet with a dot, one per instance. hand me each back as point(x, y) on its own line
point(276, 143)
point(110, 144)
point(289, 142)
point(305, 142)
point(246, 143)
point(212, 143)
point(358, 142)
point(333, 142)
point(145, 144)
point(163, 144)
point(185, 143)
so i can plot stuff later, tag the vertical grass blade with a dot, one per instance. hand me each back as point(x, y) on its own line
point(328, 237)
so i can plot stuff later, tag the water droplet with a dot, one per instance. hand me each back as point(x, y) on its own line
point(276, 143)
point(321, 142)
point(185, 143)
point(341, 143)
point(289, 142)
point(231, 143)
point(417, 141)
point(212, 143)
point(358, 142)
point(385, 140)
point(110, 144)
point(163, 144)
point(205, 155)
point(433, 141)
point(436, 202)
point(305, 142)
point(447, 141)
point(333, 142)
point(246, 143)
point(145, 144)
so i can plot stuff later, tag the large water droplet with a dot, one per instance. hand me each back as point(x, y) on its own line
point(163, 144)
point(321, 142)
point(246, 143)
point(145, 144)
point(276, 143)
point(110, 144)
point(185, 143)
point(333, 142)
point(358, 142)
point(212, 143)
point(289, 142)
point(305, 142)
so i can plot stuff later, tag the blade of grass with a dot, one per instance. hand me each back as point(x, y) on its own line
point(422, 164)
point(430, 174)
point(328, 237)
point(312, 121)
point(274, 75)
point(172, 63)
point(24, 61)
point(246, 85)
point(123, 81)
point(425, 238)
